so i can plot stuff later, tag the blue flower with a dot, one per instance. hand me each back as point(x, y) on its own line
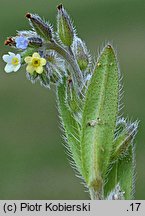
point(21, 42)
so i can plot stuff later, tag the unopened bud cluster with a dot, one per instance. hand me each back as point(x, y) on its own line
point(41, 49)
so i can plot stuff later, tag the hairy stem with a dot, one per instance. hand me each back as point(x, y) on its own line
point(77, 75)
point(96, 195)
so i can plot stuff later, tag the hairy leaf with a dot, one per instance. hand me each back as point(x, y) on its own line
point(99, 117)
point(122, 172)
point(70, 125)
point(122, 168)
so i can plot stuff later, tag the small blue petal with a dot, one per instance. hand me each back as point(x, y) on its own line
point(21, 42)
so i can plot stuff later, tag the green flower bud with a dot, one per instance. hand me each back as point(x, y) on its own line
point(41, 27)
point(81, 53)
point(65, 28)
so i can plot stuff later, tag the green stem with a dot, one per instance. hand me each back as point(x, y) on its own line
point(77, 75)
point(96, 195)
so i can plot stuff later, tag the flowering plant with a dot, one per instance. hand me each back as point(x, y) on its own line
point(99, 141)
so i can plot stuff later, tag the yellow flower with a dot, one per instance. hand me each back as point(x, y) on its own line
point(35, 63)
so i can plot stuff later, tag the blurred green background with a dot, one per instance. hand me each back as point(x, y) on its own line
point(33, 163)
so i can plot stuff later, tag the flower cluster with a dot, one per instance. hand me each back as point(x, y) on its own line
point(28, 54)
point(48, 55)
point(31, 51)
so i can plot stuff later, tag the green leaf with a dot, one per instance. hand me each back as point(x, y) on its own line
point(126, 171)
point(74, 102)
point(111, 179)
point(99, 118)
point(122, 172)
point(124, 140)
point(70, 125)
point(122, 159)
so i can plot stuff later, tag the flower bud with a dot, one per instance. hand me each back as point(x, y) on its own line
point(10, 42)
point(41, 27)
point(65, 28)
point(81, 53)
point(35, 42)
point(24, 39)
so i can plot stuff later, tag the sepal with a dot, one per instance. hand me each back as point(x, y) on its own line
point(42, 28)
point(65, 27)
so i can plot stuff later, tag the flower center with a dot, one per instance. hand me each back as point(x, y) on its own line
point(36, 62)
point(15, 61)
